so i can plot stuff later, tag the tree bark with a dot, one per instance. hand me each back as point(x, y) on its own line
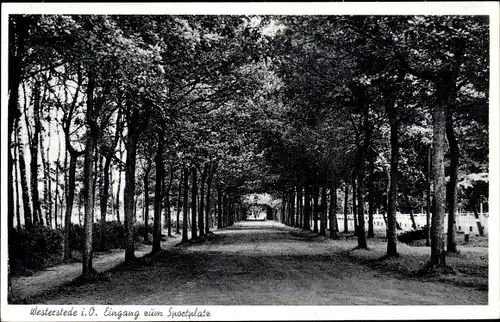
point(104, 202)
point(322, 228)
point(428, 199)
point(211, 171)
point(392, 197)
point(108, 153)
point(480, 227)
point(410, 208)
point(315, 209)
point(194, 193)
point(80, 203)
point(35, 198)
point(333, 227)
point(28, 222)
point(57, 181)
point(371, 232)
point(146, 203)
point(201, 219)
point(361, 210)
point(219, 208)
point(46, 200)
point(18, 32)
point(225, 221)
point(186, 205)
point(158, 193)
point(129, 189)
point(178, 208)
point(307, 208)
point(300, 207)
point(166, 191)
point(362, 156)
point(89, 184)
point(69, 203)
point(71, 184)
point(118, 191)
point(346, 207)
point(97, 180)
point(439, 127)
point(452, 184)
point(15, 168)
point(354, 207)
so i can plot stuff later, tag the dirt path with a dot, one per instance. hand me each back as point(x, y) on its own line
point(53, 277)
point(259, 263)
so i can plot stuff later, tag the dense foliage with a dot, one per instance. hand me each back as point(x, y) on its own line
point(188, 114)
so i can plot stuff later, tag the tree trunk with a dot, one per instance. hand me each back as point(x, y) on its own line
point(118, 191)
point(69, 205)
point(362, 156)
point(146, 203)
point(452, 184)
point(410, 209)
point(69, 186)
point(194, 193)
point(15, 168)
point(224, 211)
point(49, 179)
point(346, 207)
point(48, 219)
point(57, 181)
point(219, 208)
point(322, 228)
point(292, 208)
point(108, 154)
point(354, 207)
point(439, 127)
point(185, 207)
point(201, 219)
point(361, 211)
point(392, 197)
point(87, 270)
point(28, 219)
point(211, 171)
point(428, 199)
point(168, 214)
point(307, 208)
point(18, 32)
point(89, 183)
point(97, 179)
point(178, 208)
point(315, 209)
point(129, 189)
point(104, 202)
point(35, 198)
point(298, 223)
point(480, 227)
point(158, 194)
point(371, 233)
point(80, 204)
point(333, 227)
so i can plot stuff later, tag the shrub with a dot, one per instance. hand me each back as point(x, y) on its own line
point(409, 236)
point(139, 230)
point(34, 249)
point(43, 246)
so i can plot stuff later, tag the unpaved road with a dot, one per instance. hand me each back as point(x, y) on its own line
point(262, 263)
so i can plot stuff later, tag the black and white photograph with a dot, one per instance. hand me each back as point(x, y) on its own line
point(250, 161)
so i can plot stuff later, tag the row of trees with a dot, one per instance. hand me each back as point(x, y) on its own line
point(173, 94)
point(391, 109)
point(214, 107)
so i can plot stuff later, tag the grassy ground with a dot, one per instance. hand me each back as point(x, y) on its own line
point(470, 264)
